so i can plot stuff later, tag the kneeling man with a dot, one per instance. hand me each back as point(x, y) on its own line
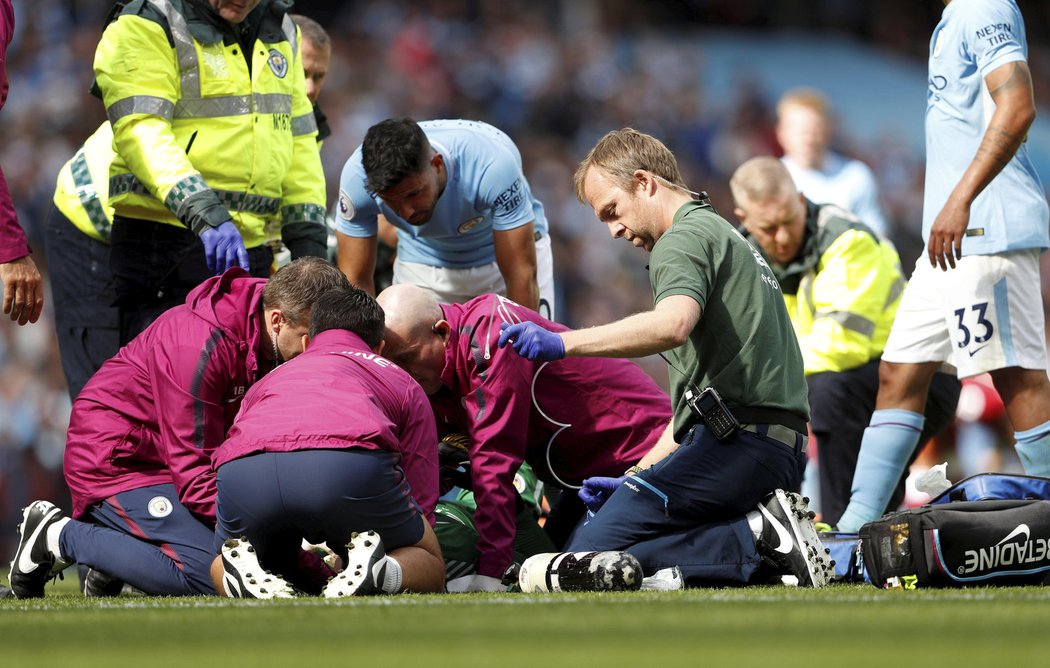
point(338, 448)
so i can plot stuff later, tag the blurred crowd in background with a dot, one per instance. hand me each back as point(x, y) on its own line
point(554, 74)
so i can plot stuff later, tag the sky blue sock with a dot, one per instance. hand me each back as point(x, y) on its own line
point(888, 441)
point(1033, 449)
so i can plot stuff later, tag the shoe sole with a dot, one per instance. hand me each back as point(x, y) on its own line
point(251, 580)
point(580, 571)
point(356, 578)
point(819, 565)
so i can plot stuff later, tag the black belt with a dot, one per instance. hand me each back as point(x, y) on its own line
point(794, 440)
point(754, 415)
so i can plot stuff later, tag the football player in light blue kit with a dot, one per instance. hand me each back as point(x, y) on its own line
point(467, 223)
point(975, 303)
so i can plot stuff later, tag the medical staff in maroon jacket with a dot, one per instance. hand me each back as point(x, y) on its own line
point(138, 455)
point(571, 420)
point(338, 441)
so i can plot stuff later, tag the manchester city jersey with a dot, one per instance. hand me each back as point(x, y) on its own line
point(974, 38)
point(486, 191)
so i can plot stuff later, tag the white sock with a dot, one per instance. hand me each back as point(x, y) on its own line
point(754, 521)
point(52, 535)
point(392, 581)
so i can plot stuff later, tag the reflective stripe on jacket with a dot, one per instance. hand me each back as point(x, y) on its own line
point(82, 190)
point(842, 291)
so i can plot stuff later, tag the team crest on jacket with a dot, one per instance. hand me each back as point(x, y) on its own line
point(278, 63)
point(159, 507)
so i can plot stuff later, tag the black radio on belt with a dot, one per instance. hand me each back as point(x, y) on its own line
point(709, 406)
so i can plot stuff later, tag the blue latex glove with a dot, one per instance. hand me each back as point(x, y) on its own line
point(224, 247)
point(596, 491)
point(532, 341)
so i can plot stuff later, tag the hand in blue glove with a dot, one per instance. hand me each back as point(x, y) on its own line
point(224, 247)
point(596, 491)
point(532, 341)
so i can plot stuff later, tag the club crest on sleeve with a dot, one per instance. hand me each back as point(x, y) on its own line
point(346, 206)
point(278, 63)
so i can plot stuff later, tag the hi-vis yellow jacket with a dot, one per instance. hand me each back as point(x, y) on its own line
point(842, 291)
point(82, 190)
point(200, 135)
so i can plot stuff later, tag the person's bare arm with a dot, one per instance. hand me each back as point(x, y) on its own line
point(516, 258)
point(386, 230)
point(357, 260)
point(666, 326)
point(1011, 89)
point(663, 447)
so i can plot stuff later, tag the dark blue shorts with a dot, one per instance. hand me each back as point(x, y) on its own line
point(146, 538)
point(276, 499)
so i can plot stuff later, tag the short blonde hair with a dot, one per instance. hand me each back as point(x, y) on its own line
point(759, 180)
point(622, 152)
point(807, 97)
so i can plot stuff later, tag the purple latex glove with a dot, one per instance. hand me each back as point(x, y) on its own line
point(224, 248)
point(596, 491)
point(532, 341)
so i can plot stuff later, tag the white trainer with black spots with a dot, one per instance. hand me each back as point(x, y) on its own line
point(244, 576)
point(790, 543)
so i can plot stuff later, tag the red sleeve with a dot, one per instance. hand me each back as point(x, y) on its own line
point(190, 377)
point(13, 244)
point(498, 408)
point(418, 440)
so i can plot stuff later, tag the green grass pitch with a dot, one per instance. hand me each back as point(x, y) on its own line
point(773, 627)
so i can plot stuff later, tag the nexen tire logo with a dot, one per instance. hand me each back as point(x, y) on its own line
point(1003, 553)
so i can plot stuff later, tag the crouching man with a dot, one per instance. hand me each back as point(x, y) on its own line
point(337, 448)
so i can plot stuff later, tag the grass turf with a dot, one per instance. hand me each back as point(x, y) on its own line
point(778, 627)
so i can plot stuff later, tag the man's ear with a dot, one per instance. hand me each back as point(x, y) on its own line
point(740, 214)
point(378, 348)
point(442, 329)
point(306, 341)
point(644, 180)
point(276, 319)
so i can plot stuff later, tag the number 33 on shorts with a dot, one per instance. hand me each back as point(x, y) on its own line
point(973, 327)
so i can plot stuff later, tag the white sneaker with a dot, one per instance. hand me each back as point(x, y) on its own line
point(34, 564)
point(365, 568)
point(665, 579)
point(244, 577)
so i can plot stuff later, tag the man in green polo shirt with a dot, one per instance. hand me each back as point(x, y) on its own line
point(717, 495)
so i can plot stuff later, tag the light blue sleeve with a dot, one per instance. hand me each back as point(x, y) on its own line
point(504, 193)
point(994, 31)
point(357, 211)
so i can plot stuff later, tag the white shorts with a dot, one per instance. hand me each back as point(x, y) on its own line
point(455, 286)
point(985, 314)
